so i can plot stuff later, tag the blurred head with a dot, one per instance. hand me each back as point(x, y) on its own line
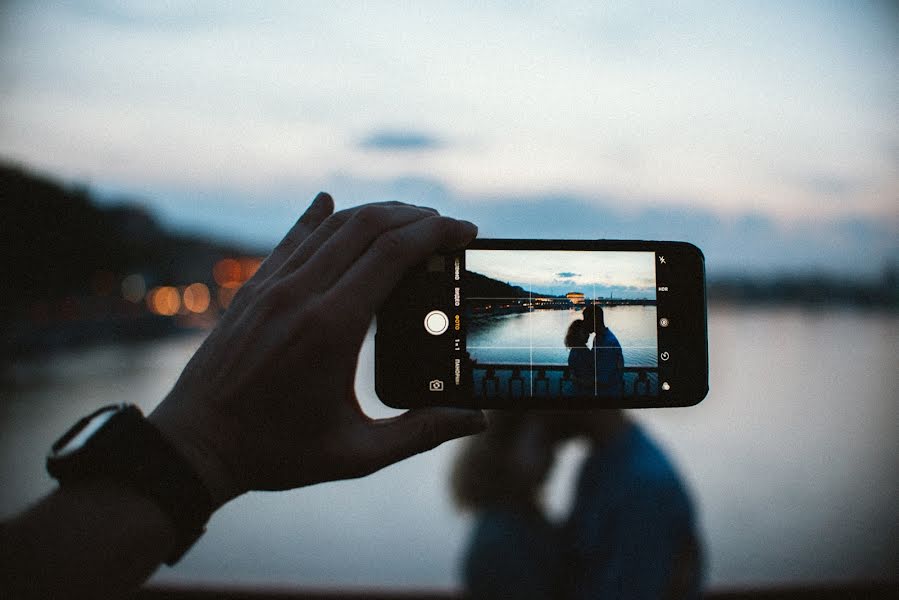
point(577, 334)
point(593, 318)
point(506, 465)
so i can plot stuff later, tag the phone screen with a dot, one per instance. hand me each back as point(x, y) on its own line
point(547, 323)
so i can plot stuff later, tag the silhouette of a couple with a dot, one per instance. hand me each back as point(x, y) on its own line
point(596, 371)
point(630, 532)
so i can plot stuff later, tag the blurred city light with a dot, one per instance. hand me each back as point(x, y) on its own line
point(196, 297)
point(227, 273)
point(164, 301)
point(134, 287)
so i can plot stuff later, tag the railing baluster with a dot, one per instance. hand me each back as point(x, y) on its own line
point(541, 378)
point(498, 378)
point(516, 376)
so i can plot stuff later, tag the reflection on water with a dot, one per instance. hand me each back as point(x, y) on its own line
point(539, 336)
point(792, 460)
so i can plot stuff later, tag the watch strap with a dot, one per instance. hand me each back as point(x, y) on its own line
point(132, 451)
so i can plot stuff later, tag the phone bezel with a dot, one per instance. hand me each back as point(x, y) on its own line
point(686, 339)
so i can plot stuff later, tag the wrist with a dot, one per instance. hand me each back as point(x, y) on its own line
point(117, 443)
point(205, 462)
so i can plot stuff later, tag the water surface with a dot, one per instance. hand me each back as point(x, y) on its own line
point(792, 460)
point(539, 336)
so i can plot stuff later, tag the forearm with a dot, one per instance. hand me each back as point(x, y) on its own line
point(96, 539)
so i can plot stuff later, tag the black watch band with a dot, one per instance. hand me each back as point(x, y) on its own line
point(130, 450)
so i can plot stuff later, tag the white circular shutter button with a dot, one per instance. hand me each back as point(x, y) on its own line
point(436, 322)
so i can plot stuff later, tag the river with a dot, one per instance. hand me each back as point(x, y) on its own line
point(792, 460)
point(539, 336)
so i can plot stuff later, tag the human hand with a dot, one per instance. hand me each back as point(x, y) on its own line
point(268, 401)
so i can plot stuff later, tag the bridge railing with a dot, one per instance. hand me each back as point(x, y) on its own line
point(547, 381)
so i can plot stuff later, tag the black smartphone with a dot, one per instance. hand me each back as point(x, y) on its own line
point(512, 323)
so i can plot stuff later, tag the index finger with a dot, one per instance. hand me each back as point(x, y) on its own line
point(371, 279)
point(320, 209)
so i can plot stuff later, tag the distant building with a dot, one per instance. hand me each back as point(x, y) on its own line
point(575, 297)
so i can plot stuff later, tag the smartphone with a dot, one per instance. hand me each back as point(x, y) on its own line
point(515, 323)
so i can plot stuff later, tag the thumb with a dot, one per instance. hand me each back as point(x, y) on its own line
point(418, 430)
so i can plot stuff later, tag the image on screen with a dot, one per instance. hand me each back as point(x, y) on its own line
point(560, 323)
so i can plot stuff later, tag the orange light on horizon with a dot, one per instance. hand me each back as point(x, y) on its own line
point(196, 298)
point(227, 273)
point(164, 301)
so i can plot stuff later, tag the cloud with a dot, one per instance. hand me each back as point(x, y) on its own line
point(390, 140)
point(567, 274)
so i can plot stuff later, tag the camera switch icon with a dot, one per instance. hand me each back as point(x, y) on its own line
point(436, 322)
point(666, 386)
point(664, 355)
point(435, 385)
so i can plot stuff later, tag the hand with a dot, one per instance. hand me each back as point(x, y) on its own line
point(268, 401)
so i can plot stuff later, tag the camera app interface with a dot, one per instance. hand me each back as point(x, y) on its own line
point(559, 323)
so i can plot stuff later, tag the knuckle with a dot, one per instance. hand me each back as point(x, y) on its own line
point(336, 221)
point(392, 243)
point(447, 228)
point(369, 216)
point(274, 298)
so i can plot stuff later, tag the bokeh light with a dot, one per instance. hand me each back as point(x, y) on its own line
point(134, 287)
point(164, 301)
point(227, 273)
point(196, 297)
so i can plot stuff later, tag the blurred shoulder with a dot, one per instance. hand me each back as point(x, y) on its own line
point(635, 466)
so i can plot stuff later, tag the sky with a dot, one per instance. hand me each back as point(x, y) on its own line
point(226, 117)
point(557, 272)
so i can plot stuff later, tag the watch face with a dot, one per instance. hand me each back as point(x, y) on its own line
point(77, 436)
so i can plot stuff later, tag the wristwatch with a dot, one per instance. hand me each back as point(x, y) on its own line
point(117, 443)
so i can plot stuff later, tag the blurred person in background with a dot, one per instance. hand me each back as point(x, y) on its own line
point(631, 530)
point(513, 551)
